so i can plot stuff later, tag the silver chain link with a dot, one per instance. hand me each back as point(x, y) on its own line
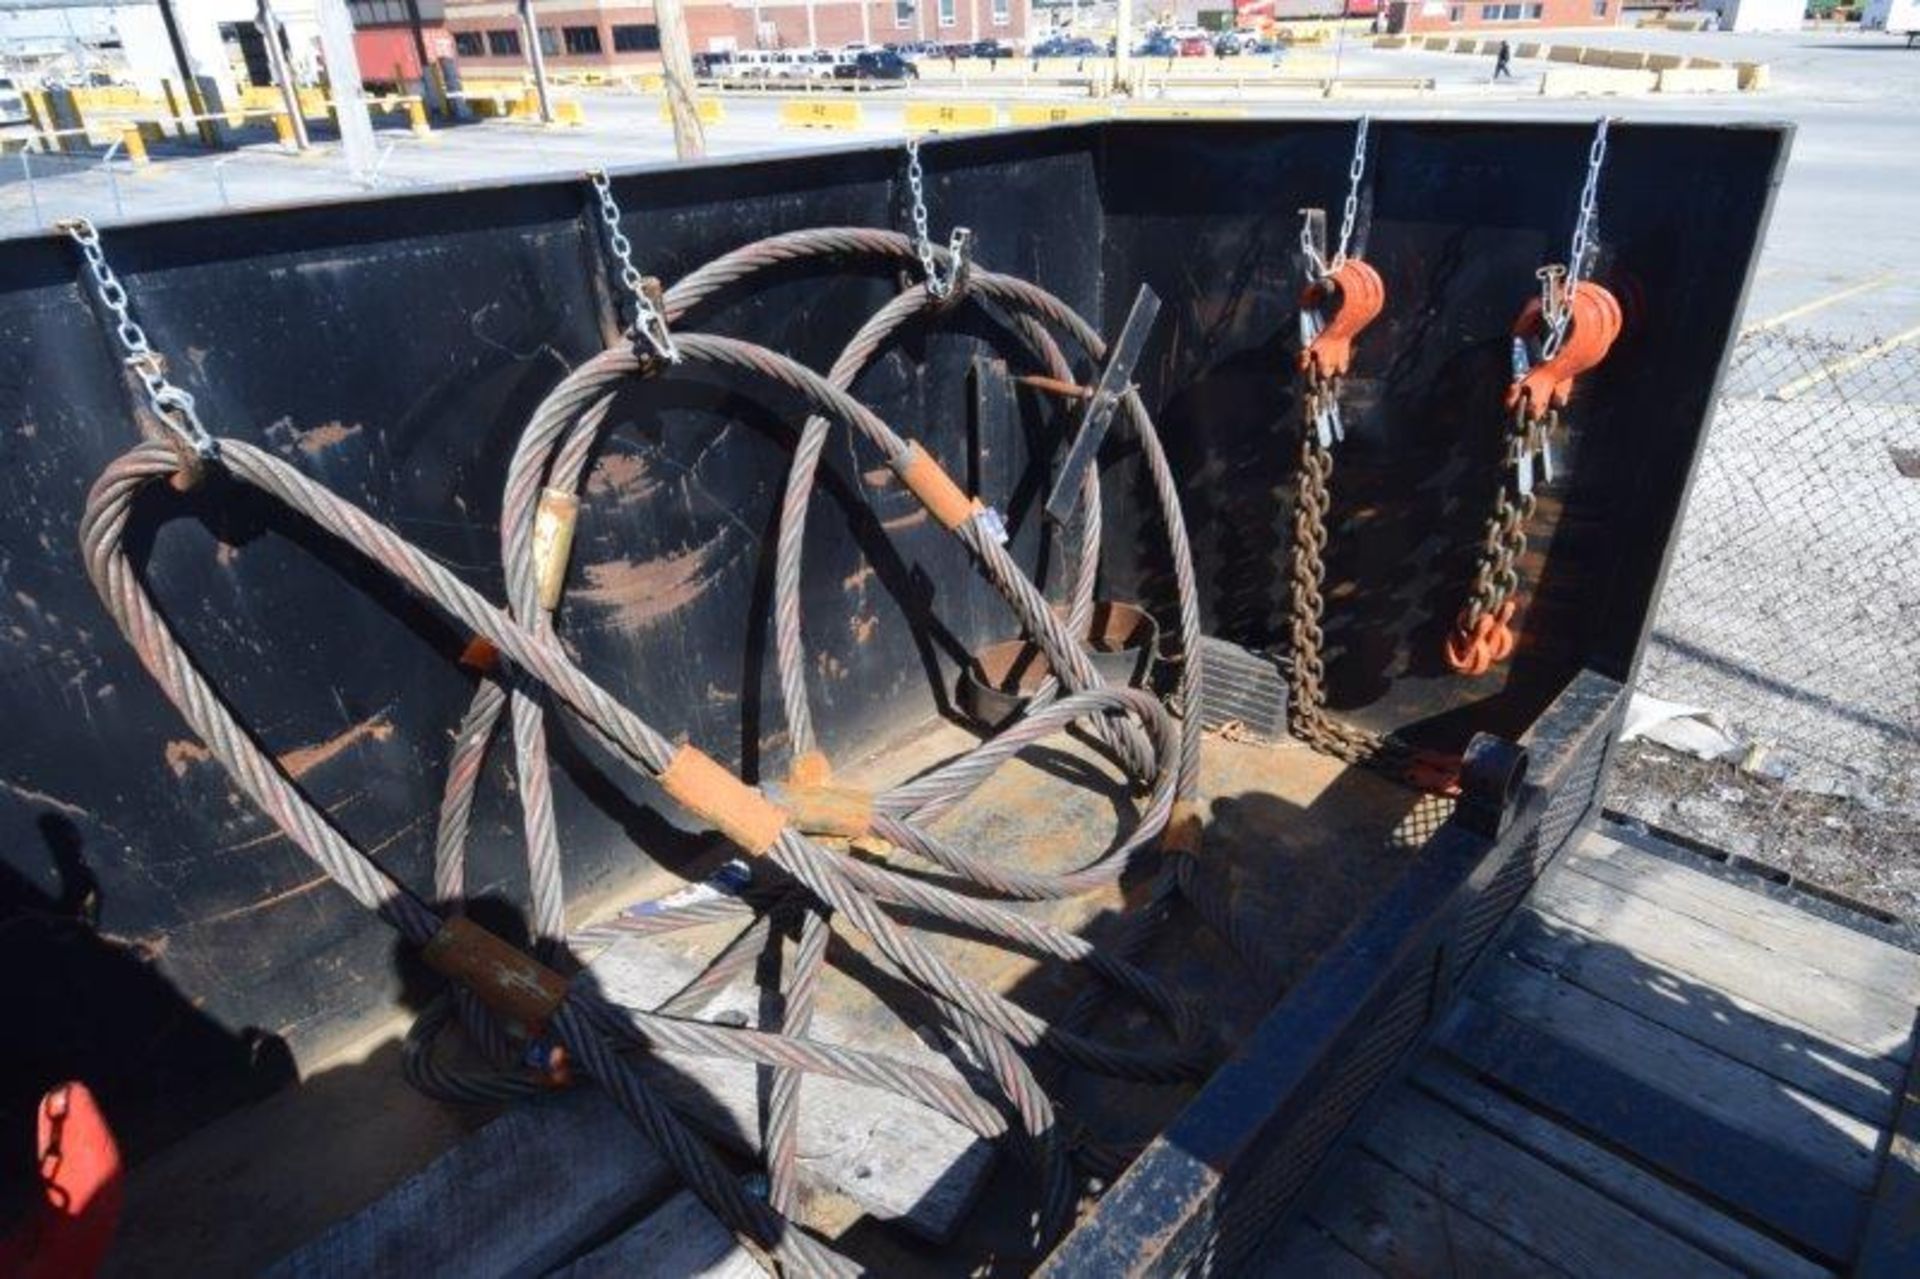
point(1349, 211)
point(648, 323)
point(1556, 298)
point(169, 403)
point(940, 284)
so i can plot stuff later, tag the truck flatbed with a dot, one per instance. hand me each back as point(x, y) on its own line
point(1664, 1067)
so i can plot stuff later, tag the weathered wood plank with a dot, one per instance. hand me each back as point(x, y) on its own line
point(1308, 1253)
point(1767, 1040)
point(1714, 1085)
point(519, 1196)
point(1868, 1021)
point(1404, 1231)
point(1539, 1208)
point(680, 1238)
point(1844, 952)
point(1890, 1248)
point(1793, 1196)
point(1707, 1228)
point(896, 1159)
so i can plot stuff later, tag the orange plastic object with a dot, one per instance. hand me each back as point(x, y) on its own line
point(1359, 299)
point(738, 811)
point(505, 979)
point(936, 490)
point(70, 1226)
point(1473, 649)
point(1591, 330)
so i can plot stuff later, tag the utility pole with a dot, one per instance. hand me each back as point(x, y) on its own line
point(189, 85)
point(676, 70)
point(282, 74)
point(343, 85)
point(530, 33)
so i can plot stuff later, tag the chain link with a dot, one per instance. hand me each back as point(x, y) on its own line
point(169, 403)
point(648, 323)
point(1349, 210)
point(1558, 303)
point(940, 284)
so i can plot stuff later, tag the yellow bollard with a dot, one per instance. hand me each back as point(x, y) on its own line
point(529, 107)
point(134, 144)
point(283, 128)
point(568, 112)
point(417, 117)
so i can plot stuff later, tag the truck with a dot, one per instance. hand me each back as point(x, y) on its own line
point(1895, 17)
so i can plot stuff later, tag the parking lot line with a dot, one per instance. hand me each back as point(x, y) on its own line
point(1820, 303)
point(1829, 371)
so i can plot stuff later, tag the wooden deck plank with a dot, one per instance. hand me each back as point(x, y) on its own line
point(523, 1194)
point(681, 1238)
point(1890, 1248)
point(1308, 1252)
point(1541, 1209)
point(1794, 1197)
point(1406, 1232)
point(1700, 1224)
point(1872, 1023)
point(1715, 1086)
point(1762, 1038)
point(1845, 952)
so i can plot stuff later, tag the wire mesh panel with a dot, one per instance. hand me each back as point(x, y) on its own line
point(1792, 612)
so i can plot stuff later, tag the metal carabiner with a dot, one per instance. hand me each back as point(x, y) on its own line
point(1593, 323)
point(1358, 297)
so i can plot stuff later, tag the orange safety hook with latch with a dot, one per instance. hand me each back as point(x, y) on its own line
point(1474, 648)
point(1592, 325)
point(1358, 297)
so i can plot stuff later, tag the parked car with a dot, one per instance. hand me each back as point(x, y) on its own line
point(13, 104)
point(876, 64)
point(918, 49)
point(1195, 47)
point(1157, 45)
point(992, 49)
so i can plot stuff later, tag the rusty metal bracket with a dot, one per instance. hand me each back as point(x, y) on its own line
point(1114, 382)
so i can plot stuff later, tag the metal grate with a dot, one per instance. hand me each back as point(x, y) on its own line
point(1242, 689)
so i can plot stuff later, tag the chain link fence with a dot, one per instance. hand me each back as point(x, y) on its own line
point(1790, 624)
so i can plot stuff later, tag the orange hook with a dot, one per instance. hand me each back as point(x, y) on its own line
point(1474, 647)
point(1360, 299)
point(1591, 330)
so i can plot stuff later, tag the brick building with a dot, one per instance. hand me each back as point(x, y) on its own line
point(1491, 17)
point(577, 35)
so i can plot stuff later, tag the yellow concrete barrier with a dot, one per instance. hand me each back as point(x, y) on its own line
point(1703, 64)
point(527, 107)
point(1055, 112)
point(1439, 44)
point(821, 114)
point(134, 145)
point(417, 118)
point(1378, 87)
point(151, 131)
point(569, 112)
point(1390, 42)
point(710, 111)
point(1580, 82)
point(1181, 111)
point(1753, 75)
point(1665, 61)
point(283, 128)
point(1698, 80)
point(1527, 49)
point(1571, 53)
point(937, 117)
point(1618, 59)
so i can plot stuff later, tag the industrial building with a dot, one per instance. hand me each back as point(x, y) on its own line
point(1493, 16)
point(576, 37)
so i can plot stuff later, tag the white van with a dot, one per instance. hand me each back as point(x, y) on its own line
point(13, 104)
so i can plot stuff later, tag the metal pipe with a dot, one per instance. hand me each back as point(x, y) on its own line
point(530, 32)
point(269, 24)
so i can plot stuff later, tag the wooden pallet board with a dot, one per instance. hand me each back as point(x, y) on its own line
point(1655, 1072)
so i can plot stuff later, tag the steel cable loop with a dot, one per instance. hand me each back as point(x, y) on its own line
point(537, 656)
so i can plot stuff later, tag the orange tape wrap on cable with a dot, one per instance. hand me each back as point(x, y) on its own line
point(735, 809)
point(929, 481)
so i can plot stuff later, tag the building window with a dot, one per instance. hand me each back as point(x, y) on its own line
point(1002, 12)
point(1599, 8)
point(636, 37)
point(503, 44)
point(947, 18)
point(1489, 13)
point(1536, 11)
point(903, 13)
point(1509, 13)
point(469, 44)
point(549, 41)
point(1456, 13)
point(582, 39)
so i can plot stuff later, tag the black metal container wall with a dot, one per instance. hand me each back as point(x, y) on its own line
point(393, 347)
